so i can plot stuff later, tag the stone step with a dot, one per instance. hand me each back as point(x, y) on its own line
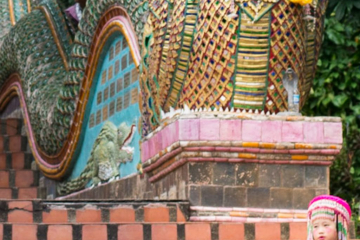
point(11, 126)
point(154, 231)
point(17, 160)
point(14, 144)
point(132, 220)
point(20, 193)
point(19, 178)
point(37, 211)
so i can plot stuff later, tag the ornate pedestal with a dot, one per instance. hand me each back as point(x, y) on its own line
point(233, 166)
point(242, 167)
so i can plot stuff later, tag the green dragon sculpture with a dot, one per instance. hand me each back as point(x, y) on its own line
point(47, 56)
point(227, 55)
point(111, 148)
point(51, 79)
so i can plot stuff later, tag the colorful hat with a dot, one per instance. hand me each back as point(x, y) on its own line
point(330, 207)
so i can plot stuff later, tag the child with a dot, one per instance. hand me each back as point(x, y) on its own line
point(328, 218)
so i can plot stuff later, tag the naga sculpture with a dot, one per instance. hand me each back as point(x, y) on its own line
point(49, 64)
point(198, 54)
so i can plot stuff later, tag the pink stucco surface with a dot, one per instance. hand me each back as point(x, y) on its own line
point(251, 131)
point(145, 151)
point(170, 134)
point(333, 132)
point(230, 130)
point(189, 129)
point(313, 132)
point(157, 142)
point(265, 131)
point(152, 146)
point(292, 132)
point(209, 129)
point(271, 131)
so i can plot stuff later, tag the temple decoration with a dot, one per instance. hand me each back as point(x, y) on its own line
point(203, 60)
point(55, 75)
point(123, 87)
point(302, 2)
point(11, 12)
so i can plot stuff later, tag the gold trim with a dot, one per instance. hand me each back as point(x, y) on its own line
point(11, 11)
point(29, 6)
point(55, 35)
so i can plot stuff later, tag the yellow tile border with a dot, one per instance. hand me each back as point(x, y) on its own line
point(251, 144)
point(299, 157)
point(29, 6)
point(11, 11)
point(239, 214)
point(247, 155)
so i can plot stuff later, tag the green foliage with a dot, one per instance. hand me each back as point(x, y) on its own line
point(336, 92)
point(336, 88)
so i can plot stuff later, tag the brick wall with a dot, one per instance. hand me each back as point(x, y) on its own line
point(155, 231)
point(255, 185)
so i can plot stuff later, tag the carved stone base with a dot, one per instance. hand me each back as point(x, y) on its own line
point(237, 168)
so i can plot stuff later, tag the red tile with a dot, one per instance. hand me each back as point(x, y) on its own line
point(130, 232)
point(88, 216)
point(19, 231)
point(197, 231)
point(92, 232)
point(298, 231)
point(231, 231)
point(156, 214)
point(15, 143)
point(2, 161)
point(5, 194)
point(27, 193)
point(164, 232)
point(24, 178)
point(55, 216)
point(12, 126)
point(122, 215)
point(4, 179)
point(18, 160)
point(180, 216)
point(2, 144)
point(266, 231)
point(26, 205)
point(20, 216)
point(59, 232)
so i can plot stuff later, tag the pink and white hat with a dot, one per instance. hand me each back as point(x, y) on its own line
point(333, 208)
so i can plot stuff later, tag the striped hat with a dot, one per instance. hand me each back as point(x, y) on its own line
point(333, 208)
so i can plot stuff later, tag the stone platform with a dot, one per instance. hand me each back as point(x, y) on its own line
point(234, 167)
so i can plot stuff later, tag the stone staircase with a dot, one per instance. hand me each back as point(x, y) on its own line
point(114, 220)
point(86, 220)
point(19, 178)
point(26, 215)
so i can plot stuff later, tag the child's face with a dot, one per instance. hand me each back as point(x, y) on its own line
point(324, 229)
